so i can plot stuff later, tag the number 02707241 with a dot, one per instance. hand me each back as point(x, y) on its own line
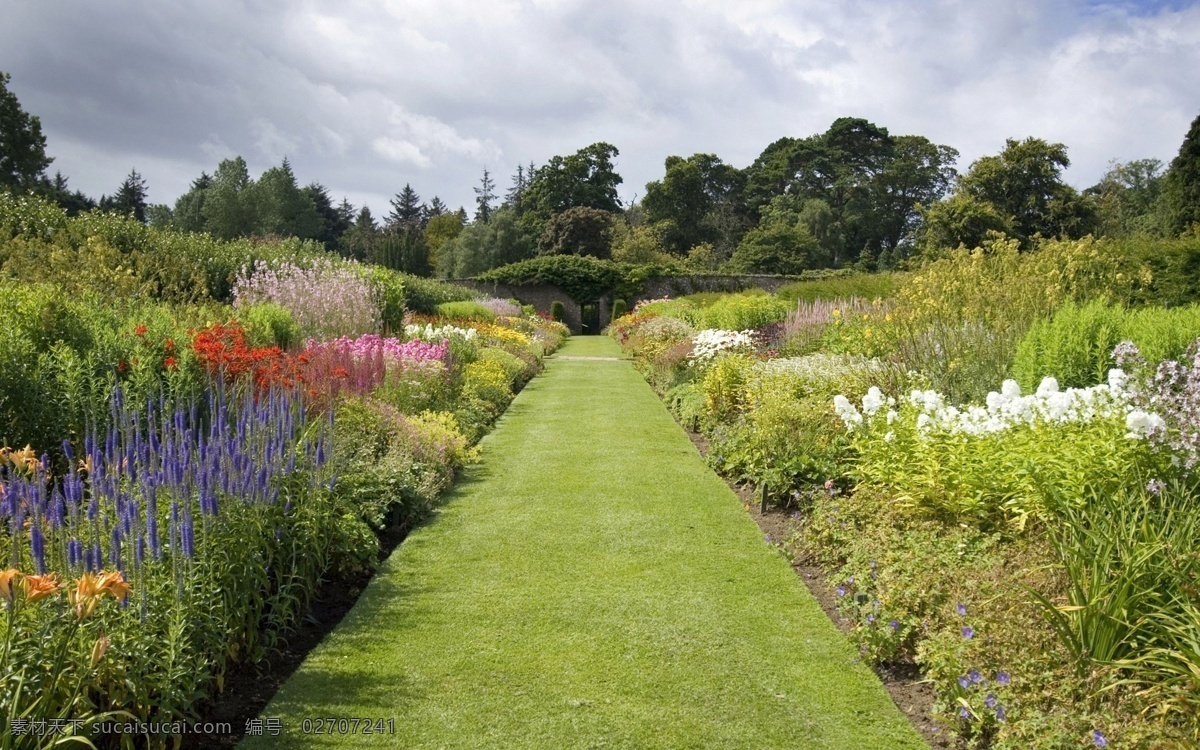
point(333, 725)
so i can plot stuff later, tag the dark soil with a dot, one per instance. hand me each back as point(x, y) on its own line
point(249, 687)
point(909, 691)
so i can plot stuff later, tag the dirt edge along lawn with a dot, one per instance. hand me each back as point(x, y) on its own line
point(590, 583)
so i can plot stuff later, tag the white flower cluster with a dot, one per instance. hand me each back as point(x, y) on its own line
point(429, 332)
point(711, 342)
point(1009, 408)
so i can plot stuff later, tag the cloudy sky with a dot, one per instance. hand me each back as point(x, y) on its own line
point(367, 95)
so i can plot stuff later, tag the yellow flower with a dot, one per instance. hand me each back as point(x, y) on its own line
point(7, 578)
point(40, 587)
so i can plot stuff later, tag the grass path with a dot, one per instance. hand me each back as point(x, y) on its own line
point(590, 584)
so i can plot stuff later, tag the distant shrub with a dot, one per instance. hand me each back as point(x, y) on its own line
point(866, 286)
point(468, 310)
point(619, 308)
point(503, 308)
point(557, 311)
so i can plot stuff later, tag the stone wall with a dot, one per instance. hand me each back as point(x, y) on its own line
point(542, 295)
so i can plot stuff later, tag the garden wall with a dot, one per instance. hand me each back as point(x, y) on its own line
point(542, 295)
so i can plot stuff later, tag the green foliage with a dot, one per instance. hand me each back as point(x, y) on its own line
point(619, 308)
point(579, 230)
point(583, 278)
point(1181, 186)
point(467, 309)
point(1126, 197)
point(585, 178)
point(22, 146)
point(483, 246)
point(424, 295)
point(1076, 345)
point(557, 311)
point(268, 324)
point(688, 207)
point(780, 244)
point(843, 286)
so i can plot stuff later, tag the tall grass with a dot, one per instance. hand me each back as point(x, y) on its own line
point(867, 286)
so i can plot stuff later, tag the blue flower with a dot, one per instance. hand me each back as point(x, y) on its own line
point(894, 625)
point(1001, 714)
point(1099, 738)
point(975, 676)
point(964, 682)
point(990, 701)
point(1003, 678)
point(841, 591)
point(968, 632)
point(870, 619)
point(962, 610)
point(964, 713)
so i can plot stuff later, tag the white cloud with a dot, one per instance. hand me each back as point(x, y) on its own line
point(365, 96)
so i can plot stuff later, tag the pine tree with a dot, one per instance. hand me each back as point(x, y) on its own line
point(435, 208)
point(406, 208)
point(484, 195)
point(513, 196)
point(130, 199)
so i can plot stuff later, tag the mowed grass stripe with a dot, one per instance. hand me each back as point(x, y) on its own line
point(590, 584)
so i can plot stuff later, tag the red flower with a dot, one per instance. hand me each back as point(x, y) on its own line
point(122, 367)
point(170, 363)
point(169, 346)
point(140, 330)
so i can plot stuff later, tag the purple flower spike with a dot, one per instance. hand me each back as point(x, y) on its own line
point(968, 632)
point(1002, 678)
point(1099, 738)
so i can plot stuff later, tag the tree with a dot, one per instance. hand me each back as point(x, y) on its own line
point(334, 220)
point(188, 214)
point(406, 208)
point(1023, 184)
point(691, 200)
point(484, 195)
point(130, 198)
point(284, 210)
point(480, 247)
point(578, 231)
point(1181, 186)
point(402, 247)
point(438, 231)
point(358, 242)
point(639, 245)
point(958, 221)
point(920, 173)
point(23, 157)
point(517, 190)
point(74, 202)
point(229, 208)
point(780, 244)
point(585, 178)
point(434, 209)
point(1126, 197)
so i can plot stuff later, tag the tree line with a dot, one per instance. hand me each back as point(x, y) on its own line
point(854, 195)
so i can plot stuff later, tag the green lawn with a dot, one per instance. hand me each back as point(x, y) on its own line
point(590, 584)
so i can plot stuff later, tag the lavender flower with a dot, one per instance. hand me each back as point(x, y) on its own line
point(1001, 714)
point(1099, 738)
point(975, 676)
point(964, 682)
point(894, 625)
point(968, 632)
point(1002, 678)
point(990, 701)
point(962, 610)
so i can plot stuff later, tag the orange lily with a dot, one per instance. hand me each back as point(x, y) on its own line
point(40, 587)
point(85, 596)
point(114, 584)
point(7, 578)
